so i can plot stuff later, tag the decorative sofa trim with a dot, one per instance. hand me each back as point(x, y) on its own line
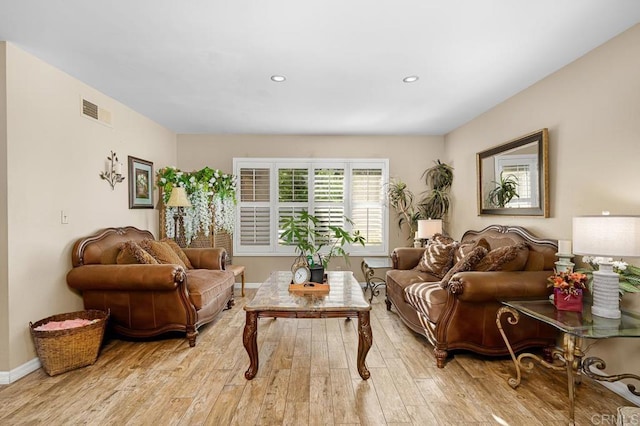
point(148, 300)
point(461, 314)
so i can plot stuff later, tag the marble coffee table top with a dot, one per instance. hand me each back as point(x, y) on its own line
point(345, 294)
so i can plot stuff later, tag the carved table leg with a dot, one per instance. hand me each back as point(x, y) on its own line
point(513, 318)
point(250, 340)
point(571, 360)
point(368, 273)
point(365, 339)
point(371, 282)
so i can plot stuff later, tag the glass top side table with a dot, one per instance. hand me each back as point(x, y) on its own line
point(372, 282)
point(575, 326)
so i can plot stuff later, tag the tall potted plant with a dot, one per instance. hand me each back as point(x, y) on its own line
point(401, 199)
point(317, 243)
point(436, 202)
point(434, 205)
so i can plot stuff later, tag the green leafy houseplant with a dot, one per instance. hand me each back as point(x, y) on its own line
point(308, 234)
point(434, 205)
point(436, 202)
point(504, 191)
point(401, 199)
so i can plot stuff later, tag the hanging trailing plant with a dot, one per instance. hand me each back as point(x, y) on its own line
point(212, 194)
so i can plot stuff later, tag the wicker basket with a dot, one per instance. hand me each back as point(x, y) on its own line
point(63, 350)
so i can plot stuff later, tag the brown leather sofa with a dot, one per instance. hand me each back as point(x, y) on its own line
point(150, 299)
point(461, 313)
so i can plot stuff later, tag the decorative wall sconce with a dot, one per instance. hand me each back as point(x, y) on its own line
point(113, 171)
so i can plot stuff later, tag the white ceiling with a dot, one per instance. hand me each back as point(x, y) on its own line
point(204, 66)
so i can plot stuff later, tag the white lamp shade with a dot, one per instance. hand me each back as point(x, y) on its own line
point(178, 198)
point(610, 236)
point(428, 227)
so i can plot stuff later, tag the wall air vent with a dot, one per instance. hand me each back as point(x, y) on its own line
point(94, 112)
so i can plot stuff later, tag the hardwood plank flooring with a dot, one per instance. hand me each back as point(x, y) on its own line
point(307, 376)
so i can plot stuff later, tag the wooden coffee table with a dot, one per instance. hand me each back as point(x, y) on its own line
point(273, 299)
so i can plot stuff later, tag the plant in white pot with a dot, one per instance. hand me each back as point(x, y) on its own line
point(316, 243)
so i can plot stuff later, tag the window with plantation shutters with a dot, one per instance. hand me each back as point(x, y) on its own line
point(255, 206)
point(367, 203)
point(293, 194)
point(329, 197)
point(271, 190)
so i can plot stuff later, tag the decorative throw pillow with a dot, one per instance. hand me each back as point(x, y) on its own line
point(131, 252)
point(505, 258)
point(437, 258)
point(176, 248)
point(442, 239)
point(466, 263)
point(162, 252)
point(467, 247)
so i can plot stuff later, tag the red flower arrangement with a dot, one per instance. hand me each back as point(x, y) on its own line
point(567, 289)
point(568, 282)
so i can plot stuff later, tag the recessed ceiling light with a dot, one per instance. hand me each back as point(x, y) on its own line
point(410, 79)
point(278, 78)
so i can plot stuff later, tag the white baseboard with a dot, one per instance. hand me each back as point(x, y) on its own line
point(18, 373)
point(247, 285)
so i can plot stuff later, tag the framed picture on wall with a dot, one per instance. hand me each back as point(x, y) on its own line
point(140, 183)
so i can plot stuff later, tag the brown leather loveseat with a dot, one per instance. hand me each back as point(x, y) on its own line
point(458, 310)
point(150, 299)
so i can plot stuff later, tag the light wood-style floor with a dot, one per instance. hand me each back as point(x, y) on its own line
point(307, 376)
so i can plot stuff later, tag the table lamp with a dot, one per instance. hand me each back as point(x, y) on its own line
point(427, 228)
point(606, 236)
point(179, 200)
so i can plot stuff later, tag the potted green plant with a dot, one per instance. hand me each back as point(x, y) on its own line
point(436, 202)
point(309, 236)
point(504, 191)
point(401, 199)
point(434, 205)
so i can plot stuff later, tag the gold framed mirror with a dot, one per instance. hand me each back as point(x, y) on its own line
point(513, 178)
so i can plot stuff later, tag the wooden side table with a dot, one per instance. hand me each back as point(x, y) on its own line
point(237, 270)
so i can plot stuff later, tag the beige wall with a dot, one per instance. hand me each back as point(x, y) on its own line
point(54, 159)
point(408, 158)
point(592, 110)
point(4, 288)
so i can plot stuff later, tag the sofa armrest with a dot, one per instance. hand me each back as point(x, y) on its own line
point(207, 258)
point(474, 286)
point(126, 277)
point(406, 257)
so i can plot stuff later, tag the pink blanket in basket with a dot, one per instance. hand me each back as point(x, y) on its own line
point(63, 325)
